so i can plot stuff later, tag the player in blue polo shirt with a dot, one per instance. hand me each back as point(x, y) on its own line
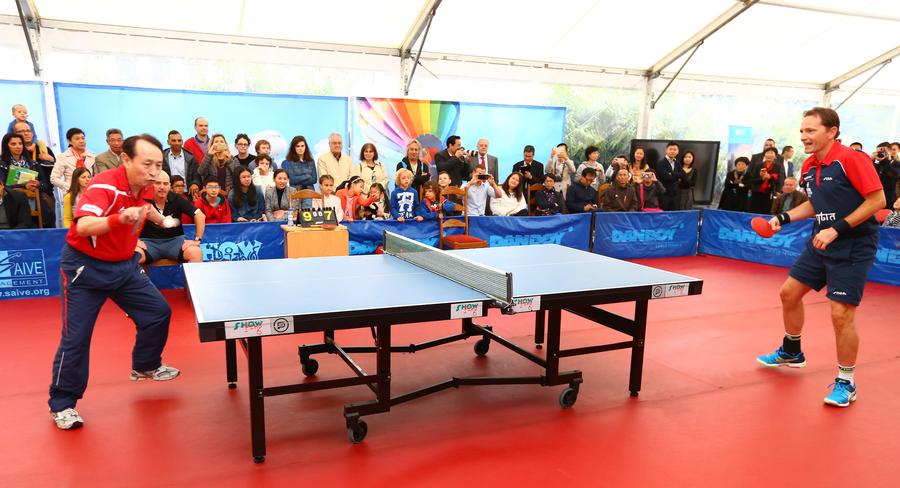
point(844, 194)
point(99, 262)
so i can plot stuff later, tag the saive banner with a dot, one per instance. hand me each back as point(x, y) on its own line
point(29, 262)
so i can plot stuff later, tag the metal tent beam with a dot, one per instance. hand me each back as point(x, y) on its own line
point(853, 73)
point(827, 10)
point(31, 25)
point(700, 36)
point(419, 28)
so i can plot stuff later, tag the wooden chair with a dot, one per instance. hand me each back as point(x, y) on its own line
point(601, 193)
point(34, 196)
point(457, 241)
point(532, 203)
point(303, 195)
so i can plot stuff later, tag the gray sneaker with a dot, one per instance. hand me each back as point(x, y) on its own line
point(67, 419)
point(162, 373)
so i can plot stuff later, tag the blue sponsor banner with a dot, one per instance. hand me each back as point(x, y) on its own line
point(630, 235)
point(367, 235)
point(29, 262)
point(887, 258)
point(227, 242)
point(572, 230)
point(728, 234)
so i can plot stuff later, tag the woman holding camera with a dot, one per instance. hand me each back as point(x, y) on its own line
point(765, 182)
point(218, 164)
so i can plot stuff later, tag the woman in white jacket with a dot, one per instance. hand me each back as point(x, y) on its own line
point(65, 165)
point(512, 199)
point(369, 169)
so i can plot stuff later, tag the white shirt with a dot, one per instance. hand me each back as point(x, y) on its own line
point(176, 164)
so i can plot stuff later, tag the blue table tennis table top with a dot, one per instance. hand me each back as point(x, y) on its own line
point(240, 290)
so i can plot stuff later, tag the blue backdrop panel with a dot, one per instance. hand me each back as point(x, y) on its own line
point(729, 234)
point(367, 235)
point(227, 242)
point(30, 94)
point(276, 118)
point(887, 259)
point(630, 235)
point(509, 128)
point(29, 262)
point(568, 230)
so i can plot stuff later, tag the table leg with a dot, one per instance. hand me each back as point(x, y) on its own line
point(540, 320)
point(257, 407)
point(231, 363)
point(637, 351)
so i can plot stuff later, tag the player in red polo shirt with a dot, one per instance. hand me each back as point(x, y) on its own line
point(844, 193)
point(99, 262)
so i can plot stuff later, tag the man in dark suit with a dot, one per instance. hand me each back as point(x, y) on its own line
point(452, 160)
point(757, 158)
point(665, 174)
point(177, 161)
point(482, 159)
point(531, 169)
point(14, 210)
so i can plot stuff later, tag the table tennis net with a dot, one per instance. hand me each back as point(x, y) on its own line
point(491, 281)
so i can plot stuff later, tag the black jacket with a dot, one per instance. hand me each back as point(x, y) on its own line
point(536, 168)
point(420, 176)
point(578, 195)
point(665, 174)
point(191, 168)
point(18, 213)
point(455, 167)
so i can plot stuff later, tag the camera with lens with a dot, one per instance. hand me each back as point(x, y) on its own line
point(881, 154)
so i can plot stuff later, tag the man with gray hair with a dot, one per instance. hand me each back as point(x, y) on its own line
point(113, 158)
point(335, 163)
point(482, 159)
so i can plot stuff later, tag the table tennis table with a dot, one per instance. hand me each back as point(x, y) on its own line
point(241, 302)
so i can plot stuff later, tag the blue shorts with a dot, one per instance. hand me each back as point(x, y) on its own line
point(843, 266)
point(164, 249)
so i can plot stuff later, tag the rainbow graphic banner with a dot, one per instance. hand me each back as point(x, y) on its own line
point(390, 123)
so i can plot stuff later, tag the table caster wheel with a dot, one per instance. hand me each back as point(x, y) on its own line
point(634, 393)
point(482, 346)
point(310, 367)
point(357, 432)
point(259, 459)
point(538, 346)
point(232, 386)
point(568, 397)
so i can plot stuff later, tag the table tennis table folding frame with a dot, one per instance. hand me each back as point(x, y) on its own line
point(547, 326)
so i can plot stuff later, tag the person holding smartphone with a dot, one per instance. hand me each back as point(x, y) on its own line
point(478, 190)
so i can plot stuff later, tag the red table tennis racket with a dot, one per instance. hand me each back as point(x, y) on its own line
point(762, 227)
point(882, 214)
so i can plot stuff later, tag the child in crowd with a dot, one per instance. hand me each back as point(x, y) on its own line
point(404, 199)
point(351, 197)
point(329, 199)
point(432, 204)
point(20, 114)
point(547, 199)
point(263, 177)
point(380, 208)
point(213, 205)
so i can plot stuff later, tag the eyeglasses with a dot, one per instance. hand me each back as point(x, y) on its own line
point(244, 144)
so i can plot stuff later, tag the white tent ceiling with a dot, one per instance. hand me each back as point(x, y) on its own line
point(810, 42)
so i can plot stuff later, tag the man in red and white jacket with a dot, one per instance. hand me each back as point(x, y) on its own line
point(99, 262)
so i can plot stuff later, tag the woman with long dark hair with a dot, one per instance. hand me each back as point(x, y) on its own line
point(299, 165)
point(686, 178)
point(247, 203)
point(511, 200)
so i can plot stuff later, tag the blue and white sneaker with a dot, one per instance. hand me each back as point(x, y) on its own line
point(842, 395)
point(781, 358)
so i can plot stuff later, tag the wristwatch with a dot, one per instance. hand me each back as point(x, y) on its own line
point(198, 238)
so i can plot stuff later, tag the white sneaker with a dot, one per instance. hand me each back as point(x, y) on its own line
point(67, 419)
point(162, 373)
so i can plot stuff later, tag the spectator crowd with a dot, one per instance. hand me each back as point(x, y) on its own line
point(205, 181)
